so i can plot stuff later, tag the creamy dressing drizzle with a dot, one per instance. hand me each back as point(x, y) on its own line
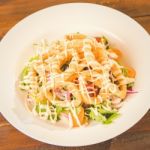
point(74, 113)
point(48, 78)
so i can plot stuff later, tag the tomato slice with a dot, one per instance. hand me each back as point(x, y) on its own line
point(98, 39)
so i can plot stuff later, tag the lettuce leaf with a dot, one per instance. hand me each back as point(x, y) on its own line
point(55, 111)
point(99, 114)
point(125, 72)
point(130, 85)
point(104, 41)
point(111, 118)
point(24, 72)
point(34, 58)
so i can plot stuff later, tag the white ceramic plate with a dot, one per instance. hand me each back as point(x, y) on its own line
point(53, 23)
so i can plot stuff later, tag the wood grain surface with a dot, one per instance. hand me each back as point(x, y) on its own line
point(136, 138)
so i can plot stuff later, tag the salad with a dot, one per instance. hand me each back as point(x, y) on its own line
point(79, 78)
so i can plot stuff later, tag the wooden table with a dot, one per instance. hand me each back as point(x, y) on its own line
point(138, 137)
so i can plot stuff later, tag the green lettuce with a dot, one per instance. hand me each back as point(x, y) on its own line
point(100, 114)
point(125, 71)
point(55, 116)
point(24, 72)
point(130, 85)
point(34, 58)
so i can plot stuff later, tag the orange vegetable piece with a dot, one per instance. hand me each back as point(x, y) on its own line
point(80, 115)
point(75, 36)
point(131, 72)
point(99, 54)
point(117, 52)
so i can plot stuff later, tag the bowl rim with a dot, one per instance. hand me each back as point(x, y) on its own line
point(17, 126)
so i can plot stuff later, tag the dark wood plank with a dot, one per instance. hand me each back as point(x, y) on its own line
point(144, 21)
point(138, 137)
point(136, 140)
point(12, 11)
point(11, 138)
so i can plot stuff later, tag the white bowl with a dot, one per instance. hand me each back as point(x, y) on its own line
point(52, 23)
